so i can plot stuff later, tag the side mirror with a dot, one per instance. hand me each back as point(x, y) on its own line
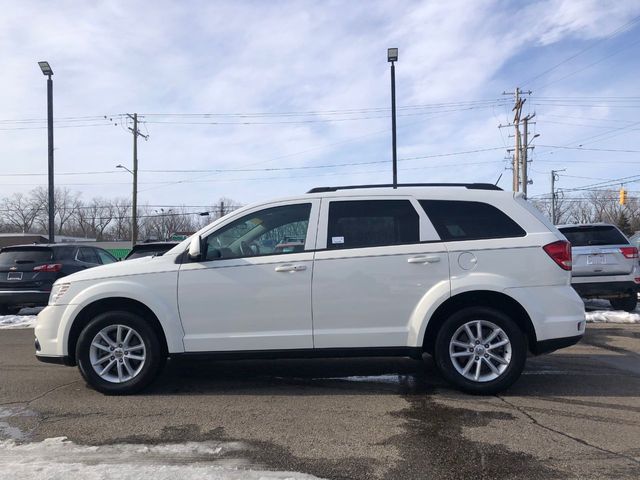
point(195, 248)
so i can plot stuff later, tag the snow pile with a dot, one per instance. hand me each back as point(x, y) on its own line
point(17, 321)
point(612, 316)
point(60, 459)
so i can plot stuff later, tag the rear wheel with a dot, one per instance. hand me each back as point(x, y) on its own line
point(480, 350)
point(119, 353)
point(627, 303)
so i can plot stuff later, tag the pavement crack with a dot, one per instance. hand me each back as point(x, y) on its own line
point(38, 397)
point(564, 434)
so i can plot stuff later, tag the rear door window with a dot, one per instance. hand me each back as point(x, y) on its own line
point(594, 235)
point(371, 223)
point(456, 220)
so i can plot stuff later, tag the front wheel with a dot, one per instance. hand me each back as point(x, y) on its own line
point(118, 353)
point(480, 350)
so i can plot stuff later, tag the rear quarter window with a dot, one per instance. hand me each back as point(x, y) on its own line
point(457, 220)
point(594, 235)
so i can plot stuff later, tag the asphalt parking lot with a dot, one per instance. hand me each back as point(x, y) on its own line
point(573, 414)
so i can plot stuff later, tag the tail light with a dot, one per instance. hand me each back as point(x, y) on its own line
point(629, 252)
point(560, 252)
point(48, 267)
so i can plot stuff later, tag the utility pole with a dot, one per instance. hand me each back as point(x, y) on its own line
point(517, 108)
point(554, 178)
point(517, 151)
point(134, 206)
point(525, 150)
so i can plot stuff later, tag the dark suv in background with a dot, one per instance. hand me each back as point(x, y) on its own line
point(605, 264)
point(28, 271)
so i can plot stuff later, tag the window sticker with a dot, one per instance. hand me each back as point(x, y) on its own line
point(336, 240)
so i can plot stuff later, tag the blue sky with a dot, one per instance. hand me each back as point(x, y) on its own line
point(259, 69)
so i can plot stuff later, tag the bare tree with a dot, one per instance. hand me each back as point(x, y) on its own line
point(121, 212)
point(20, 212)
point(94, 218)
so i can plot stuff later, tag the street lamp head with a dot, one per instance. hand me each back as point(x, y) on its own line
point(124, 168)
point(392, 55)
point(46, 68)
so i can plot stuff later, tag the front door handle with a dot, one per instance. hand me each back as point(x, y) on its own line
point(290, 268)
point(424, 259)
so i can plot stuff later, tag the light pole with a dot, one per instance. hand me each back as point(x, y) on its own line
point(392, 57)
point(134, 207)
point(48, 72)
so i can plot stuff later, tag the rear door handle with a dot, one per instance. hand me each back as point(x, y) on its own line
point(290, 268)
point(424, 259)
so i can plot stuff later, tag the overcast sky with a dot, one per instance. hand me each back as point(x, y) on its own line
point(298, 85)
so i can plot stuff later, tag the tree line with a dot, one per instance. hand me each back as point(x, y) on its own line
point(101, 218)
point(110, 219)
point(593, 206)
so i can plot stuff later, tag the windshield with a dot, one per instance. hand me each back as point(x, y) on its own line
point(594, 235)
point(18, 256)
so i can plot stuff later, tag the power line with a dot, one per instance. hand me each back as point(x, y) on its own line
point(591, 64)
point(617, 31)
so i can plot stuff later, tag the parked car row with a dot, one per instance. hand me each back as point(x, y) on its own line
point(27, 272)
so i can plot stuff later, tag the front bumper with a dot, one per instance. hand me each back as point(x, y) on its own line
point(46, 331)
point(24, 298)
point(64, 360)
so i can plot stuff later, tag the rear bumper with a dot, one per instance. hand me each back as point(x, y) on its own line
point(605, 288)
point(24, 298)
point(556, 312)
point(548, 346)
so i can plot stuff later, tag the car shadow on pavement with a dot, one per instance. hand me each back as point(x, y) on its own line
point(346, 376)
point(559, 374)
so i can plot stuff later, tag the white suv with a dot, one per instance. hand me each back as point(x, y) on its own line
point(470, 274)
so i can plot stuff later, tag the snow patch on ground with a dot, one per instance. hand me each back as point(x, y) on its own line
point(26, 318)
point(17, 321)
point(61, 459)
point(599, 311)
point(612, 316)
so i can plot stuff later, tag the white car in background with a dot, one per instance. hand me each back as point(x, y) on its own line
point(470, 274)
point(605, 264)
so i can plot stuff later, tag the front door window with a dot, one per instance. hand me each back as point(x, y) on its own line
point(273, 231)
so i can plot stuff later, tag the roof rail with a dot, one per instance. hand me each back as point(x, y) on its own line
point(470, 186)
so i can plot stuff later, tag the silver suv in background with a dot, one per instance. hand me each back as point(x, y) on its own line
point(605, 264)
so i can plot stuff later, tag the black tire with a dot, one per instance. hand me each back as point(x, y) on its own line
point(504, 322)
point(152, 365)
point(8, 310)
point(628, 304)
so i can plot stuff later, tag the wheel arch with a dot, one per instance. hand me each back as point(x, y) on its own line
point(479, 298)
point(111, 304)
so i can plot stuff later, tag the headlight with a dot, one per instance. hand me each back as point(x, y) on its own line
point(57, 292)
